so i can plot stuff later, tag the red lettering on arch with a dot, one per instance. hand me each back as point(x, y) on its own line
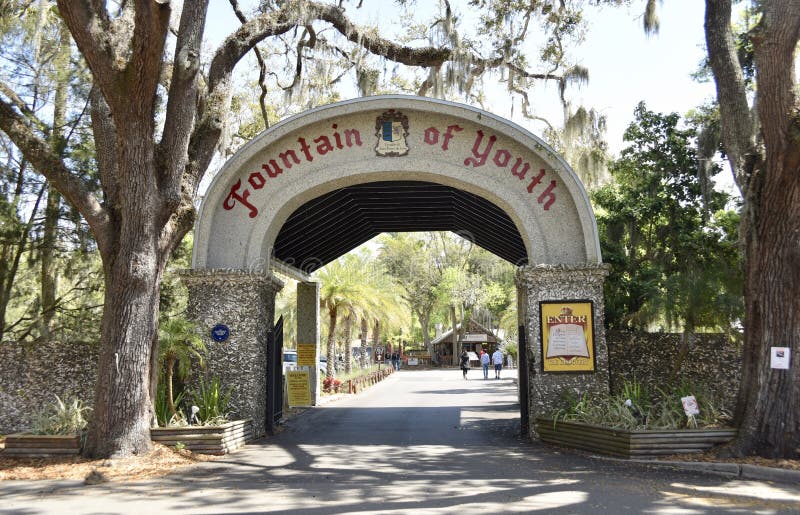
point(549, 195)
point(234, 196)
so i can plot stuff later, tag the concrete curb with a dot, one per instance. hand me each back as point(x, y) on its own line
point(733, 470)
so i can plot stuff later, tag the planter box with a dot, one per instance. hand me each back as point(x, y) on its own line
point(631, 444)
point(41, 446)
point(217, 440)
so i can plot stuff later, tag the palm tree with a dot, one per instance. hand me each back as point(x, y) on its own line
point(352, 288)
point(179, 342)
point(342, 290)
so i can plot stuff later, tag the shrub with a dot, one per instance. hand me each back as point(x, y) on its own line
point(331, 385)
point(213, 402)
point(163, 412)
point(63, 418)
point(639, 408)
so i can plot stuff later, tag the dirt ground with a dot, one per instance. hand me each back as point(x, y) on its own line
point(163, 460)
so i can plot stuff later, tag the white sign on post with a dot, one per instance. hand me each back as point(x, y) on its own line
point(780, 358)
point(690, 406)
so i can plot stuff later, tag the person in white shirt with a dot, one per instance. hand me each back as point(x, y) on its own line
point(485, 364)
point(497, 359)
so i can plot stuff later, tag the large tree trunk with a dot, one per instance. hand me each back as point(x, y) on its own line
point(133, 264)
point(768, 411)
point(122, 409)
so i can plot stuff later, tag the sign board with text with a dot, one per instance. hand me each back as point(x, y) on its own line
point(306, 355)
point(780, 358)
point(567, 335)
point(298, 388)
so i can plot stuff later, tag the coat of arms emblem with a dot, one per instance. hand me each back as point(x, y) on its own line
point(391, 129)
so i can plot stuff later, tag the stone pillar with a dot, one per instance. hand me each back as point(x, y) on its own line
point(245, 303)
point(308, 326)
point(556, 283)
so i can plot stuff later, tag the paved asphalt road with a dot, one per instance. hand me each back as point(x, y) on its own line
point(419, 442)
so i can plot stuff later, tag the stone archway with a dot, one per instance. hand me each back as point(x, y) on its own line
point(267, 188)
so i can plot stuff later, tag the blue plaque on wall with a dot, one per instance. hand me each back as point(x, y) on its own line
point(220, 332)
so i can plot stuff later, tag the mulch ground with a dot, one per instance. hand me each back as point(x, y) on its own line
point(160, 461)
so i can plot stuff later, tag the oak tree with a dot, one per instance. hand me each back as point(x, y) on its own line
point(762, 144)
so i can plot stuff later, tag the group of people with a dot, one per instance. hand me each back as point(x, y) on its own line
point(496, 358)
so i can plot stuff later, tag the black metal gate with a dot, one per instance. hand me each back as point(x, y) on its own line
point(274, 377)
point(522, 374)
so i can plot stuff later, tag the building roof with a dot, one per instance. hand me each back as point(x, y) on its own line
point(476, 333)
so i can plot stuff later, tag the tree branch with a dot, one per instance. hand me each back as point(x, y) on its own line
point(22, 106)
point(89, 24)
point(243, 40)
point(372, 42)
point(142, 72)
point(181, 107)
point(775, 41)
point(262, 67)
point(738, 134)
point(105, 143)
point(45, 162)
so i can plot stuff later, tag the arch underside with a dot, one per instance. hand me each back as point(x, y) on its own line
point(335, 223)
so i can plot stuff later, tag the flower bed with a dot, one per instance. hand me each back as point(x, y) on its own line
point(216, 440)
point(630, 444)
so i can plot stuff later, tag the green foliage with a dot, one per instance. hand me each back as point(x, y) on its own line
point(63, 418)
point(164, 413)
point(354, 287)
point(511, 347)
point(179, 342)
point(637, 407)
point(669, 238)
point(213, 402)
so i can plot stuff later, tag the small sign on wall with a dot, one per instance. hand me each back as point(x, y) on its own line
point(306, 355)
point(780, 358)
point(220, 332)
point(567, 335)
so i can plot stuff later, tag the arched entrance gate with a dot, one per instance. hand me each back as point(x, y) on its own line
point(319, 184)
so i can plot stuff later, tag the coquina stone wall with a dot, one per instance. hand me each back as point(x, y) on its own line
point(552, 283)
point(713, 361)
point(32, 373)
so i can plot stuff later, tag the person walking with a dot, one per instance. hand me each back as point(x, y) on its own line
point(464, 363)
point(485, 364)
point(497, 359)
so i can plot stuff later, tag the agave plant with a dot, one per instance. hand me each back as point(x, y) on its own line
point(213, 402)
point(63, 418)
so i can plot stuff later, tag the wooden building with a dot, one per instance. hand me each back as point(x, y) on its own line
point(475, 338)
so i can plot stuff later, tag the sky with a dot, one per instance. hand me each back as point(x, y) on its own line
point(625, 66)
